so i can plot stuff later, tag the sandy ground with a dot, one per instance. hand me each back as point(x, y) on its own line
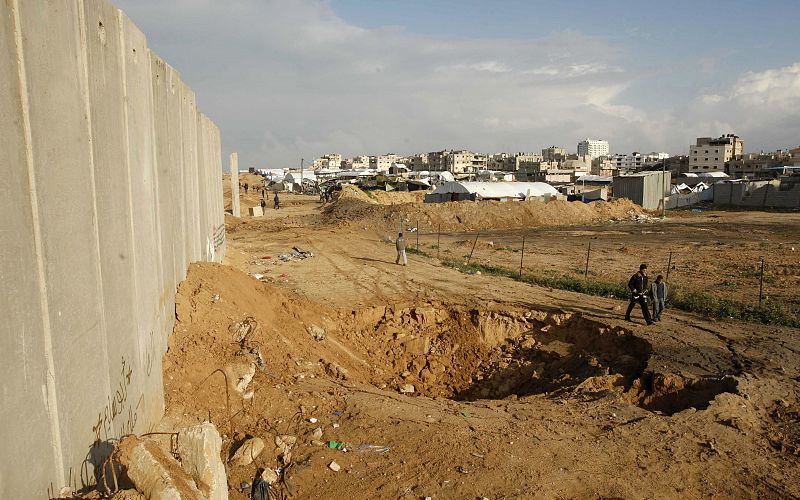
point(519, 391)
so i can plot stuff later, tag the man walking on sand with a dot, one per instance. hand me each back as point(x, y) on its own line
point(638, 287)
point(277, 201)
point(400, 244)
point(658, 290)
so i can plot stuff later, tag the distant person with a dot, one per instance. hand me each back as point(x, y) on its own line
point(263, 192)
point(277, 201)
point(400, 244)
point(658, 290)
point(245, 187)
point(263, 204)
point(638, 287)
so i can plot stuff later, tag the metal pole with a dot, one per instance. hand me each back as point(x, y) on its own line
point(473, 249)
point(761, 283)
point(669, 264)
point(301, 175)
point(588, 251)
point(417, 231)
point(663, 188)
point(438, 236)
point(521, 257)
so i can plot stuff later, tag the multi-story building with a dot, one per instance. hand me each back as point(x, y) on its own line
point(466, 162)
point(554, 153)
point(758, 166)
point(593, 148)
point(360, 162)
point(627, 162)
point(383, 162)
point(795, 159)
point(512, 162)
point(418, 162)
point(332, 160)
point(712, 154)
point(437, 160)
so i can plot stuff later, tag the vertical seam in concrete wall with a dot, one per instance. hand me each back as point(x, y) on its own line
point(84, 86)
point(50, 389)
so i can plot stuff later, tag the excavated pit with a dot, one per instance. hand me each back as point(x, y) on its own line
point(468, 354)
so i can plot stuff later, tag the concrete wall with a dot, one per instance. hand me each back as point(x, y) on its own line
point(758, 194)
point(112, 185)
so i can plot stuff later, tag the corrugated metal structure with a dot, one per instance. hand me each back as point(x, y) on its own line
point(647, 189)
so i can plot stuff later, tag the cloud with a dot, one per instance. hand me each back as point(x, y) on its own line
point(286, 80)
point(762, 107)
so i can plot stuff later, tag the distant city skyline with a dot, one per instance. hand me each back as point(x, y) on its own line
point(286, 80)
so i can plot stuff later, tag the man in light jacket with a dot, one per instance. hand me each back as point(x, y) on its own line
point(401, 249)
point(658, 290)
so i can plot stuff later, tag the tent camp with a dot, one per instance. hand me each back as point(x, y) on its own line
point(502, 191)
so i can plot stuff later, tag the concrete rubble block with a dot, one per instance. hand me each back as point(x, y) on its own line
point(256, 211)
point(154, 473)
point(248, 452)
point(200, 448)
point(407, 389)
point(240, 375)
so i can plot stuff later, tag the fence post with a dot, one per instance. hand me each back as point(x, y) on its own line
point(417, 231)
point(588, 251)
point(669, 264)
point(761, 283)
point(473, 248)
point(521, 257)
point(438, 237)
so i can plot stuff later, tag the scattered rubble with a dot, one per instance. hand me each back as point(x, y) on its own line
point(248, 452)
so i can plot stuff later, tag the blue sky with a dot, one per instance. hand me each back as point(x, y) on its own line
point(285, 80)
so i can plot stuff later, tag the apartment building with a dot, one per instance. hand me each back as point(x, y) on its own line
point(437, 160)
point(709, 154)
point(383, 162)
point(466, 162)
point(795, 157)
point(329, 161)
point(758, 165)
point(593, 148)
point(418, 162)
point(512, 162)
point(554, 154)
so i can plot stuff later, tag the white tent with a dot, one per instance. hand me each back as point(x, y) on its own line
point(497, 190)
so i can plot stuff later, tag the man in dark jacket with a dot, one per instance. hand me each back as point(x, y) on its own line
point(638, 287)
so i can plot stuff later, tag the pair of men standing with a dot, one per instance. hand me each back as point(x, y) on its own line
point(638, 285)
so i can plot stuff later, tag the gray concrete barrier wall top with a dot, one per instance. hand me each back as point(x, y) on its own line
point(111, 186)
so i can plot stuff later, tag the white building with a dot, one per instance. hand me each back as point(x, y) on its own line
point(593, 148)
point(712, 154)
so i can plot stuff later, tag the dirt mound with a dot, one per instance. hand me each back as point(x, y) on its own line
point(396, 197)
point(358, 207)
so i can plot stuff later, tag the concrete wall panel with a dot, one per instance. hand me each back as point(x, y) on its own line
point(175, 146)
point(146, 235)
point(24, 408)
point(165, 195)
point(191, 207)
point(104, 65)
point(62, 166)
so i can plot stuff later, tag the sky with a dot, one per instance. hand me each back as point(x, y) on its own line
point(293, 79)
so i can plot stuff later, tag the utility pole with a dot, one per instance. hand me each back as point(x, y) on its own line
point(301, 176)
